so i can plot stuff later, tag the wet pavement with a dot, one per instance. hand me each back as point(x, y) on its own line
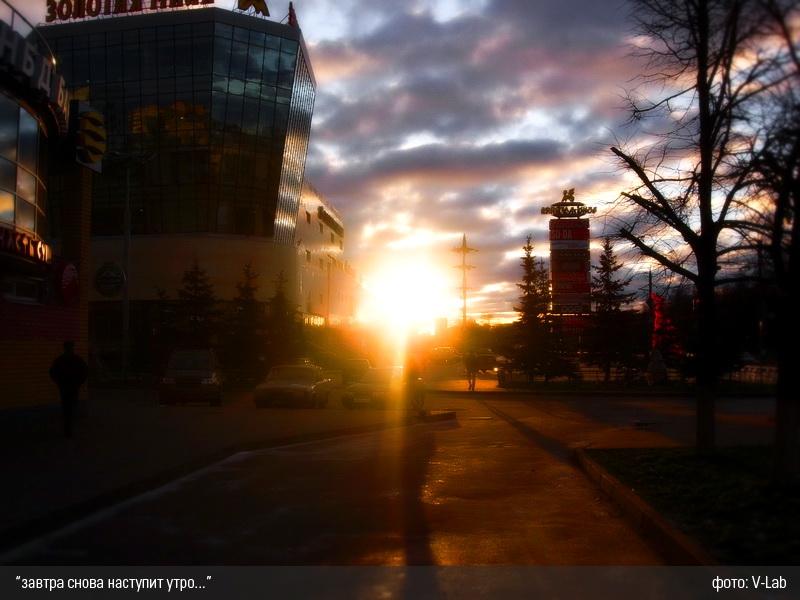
point(521, 480)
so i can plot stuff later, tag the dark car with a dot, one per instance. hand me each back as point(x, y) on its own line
point(293, 385)
point(486, 360)
point(354, 369)
point(385, 387)
point(192, 375)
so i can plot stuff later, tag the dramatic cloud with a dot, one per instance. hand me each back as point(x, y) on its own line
point(436, 119)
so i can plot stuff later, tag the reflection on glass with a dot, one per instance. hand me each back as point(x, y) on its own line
point(6, 207)
point(206, 107)
point(26, 215)
point(26, 185)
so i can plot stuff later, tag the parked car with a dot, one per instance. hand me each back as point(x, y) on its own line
point(444, 355)
point(487, 362)
point(293, 385)
point(385, 387)
point(192, 375)
point(354, 369)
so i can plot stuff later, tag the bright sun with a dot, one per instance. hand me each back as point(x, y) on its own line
point(406, 297)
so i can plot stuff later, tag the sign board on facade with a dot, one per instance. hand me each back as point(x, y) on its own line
point(560, 286)
point(570, 309)
point(569, 224)
point(88, 129)
point(25, 246)
point(259, 6)
point(109, 279)
point(35, 72)
point(70, 10)
point(568, 266)
point(568, 207)
point(571, 276)
point(571, 298)
point(67, 283)
point(569, 244)
point(557, 254)
point(570, 234)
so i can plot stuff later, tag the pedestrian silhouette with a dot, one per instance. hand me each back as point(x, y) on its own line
point(69, 371)
point(471, 365)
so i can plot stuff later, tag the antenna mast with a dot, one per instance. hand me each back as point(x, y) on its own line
point(463, 250)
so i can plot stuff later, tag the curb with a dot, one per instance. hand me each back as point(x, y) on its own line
point(678, 549)
point(18, 535)
point(437, 416)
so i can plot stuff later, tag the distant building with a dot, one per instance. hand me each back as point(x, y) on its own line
point(208, 115)
point(328, 287)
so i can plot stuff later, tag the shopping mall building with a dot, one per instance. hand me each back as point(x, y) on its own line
point(207, 121)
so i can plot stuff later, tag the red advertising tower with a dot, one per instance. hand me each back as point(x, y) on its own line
point(570, 265)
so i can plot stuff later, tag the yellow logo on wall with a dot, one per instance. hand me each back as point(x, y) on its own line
point(260, 6)
point(90, 135)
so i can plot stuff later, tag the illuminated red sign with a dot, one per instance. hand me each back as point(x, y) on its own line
point(572, 298)
point(569, 245)
point(570, 254)
point(569, 224)
point(68, 283)
point(568, 266)
point(571, 286)
point(23, 245)
point(570, 234)
point(571, 276)
point(67, 10)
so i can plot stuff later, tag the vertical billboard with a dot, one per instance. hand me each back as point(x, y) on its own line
point(570, 263)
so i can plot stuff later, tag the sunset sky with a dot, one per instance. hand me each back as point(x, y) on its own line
point(438, 118)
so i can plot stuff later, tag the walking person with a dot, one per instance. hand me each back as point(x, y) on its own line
point(471, 365)
point(69, 371)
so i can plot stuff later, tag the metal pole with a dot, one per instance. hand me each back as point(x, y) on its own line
point(126, 258)
point(464, 250)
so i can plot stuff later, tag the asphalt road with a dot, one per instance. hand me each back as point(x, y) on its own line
point(496, 486)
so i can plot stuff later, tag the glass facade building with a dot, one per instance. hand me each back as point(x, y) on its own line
point(23, 140)
point(42, 301)
point(208, 115)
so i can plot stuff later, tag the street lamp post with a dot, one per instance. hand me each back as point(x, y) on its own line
point(127, 158)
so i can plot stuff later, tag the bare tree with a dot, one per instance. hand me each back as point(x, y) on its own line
point(776, 168)
point(708, 65)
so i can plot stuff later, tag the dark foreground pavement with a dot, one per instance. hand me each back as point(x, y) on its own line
point(125, 444)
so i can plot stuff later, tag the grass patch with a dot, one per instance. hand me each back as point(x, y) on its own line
point(638, 386)
point(726, 502)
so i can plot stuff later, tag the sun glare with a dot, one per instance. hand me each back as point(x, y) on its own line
point(406, 297)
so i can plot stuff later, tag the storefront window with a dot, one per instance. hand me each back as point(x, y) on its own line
point(21, 167)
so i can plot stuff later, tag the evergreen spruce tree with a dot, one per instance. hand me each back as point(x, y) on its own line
point(282, 340)
point(532, 327)
point(245, 345)
point(197, 308)
point(610, 341)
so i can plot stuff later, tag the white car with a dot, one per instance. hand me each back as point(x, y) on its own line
point(385, 387)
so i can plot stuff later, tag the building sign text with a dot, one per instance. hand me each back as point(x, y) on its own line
point(25, 246)
point(34, 71)
point(66, 10)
